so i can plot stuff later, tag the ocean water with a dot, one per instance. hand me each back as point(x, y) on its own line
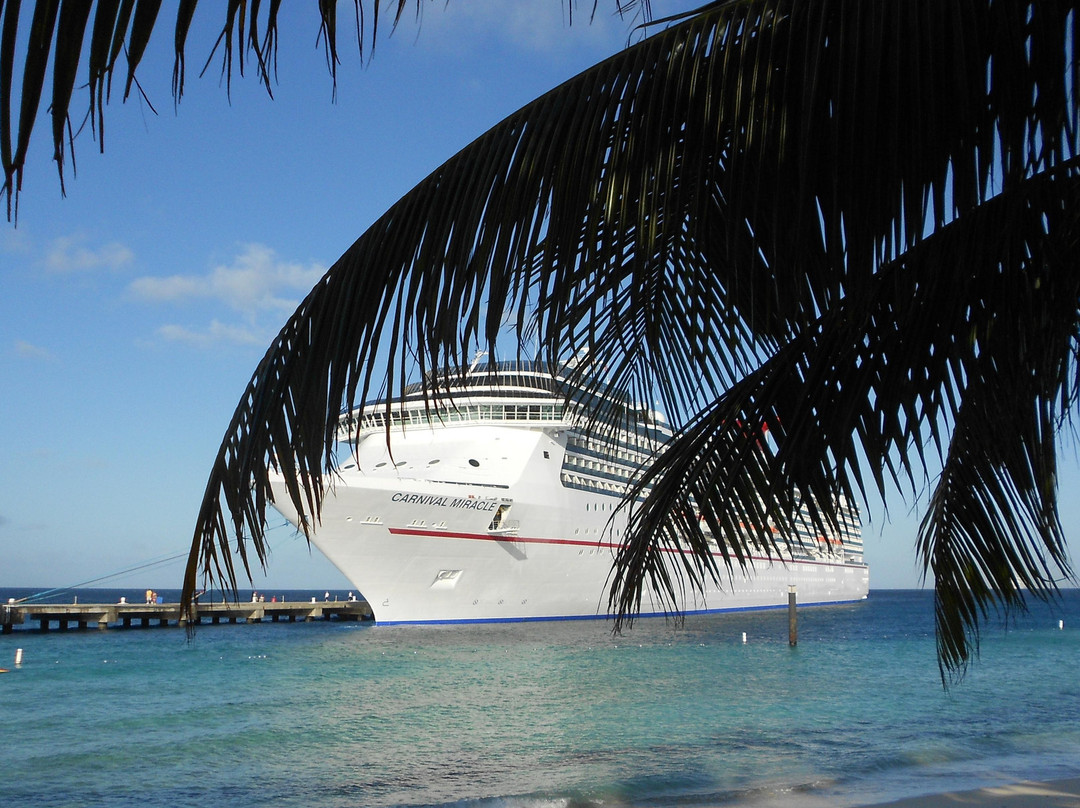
point(331, 714)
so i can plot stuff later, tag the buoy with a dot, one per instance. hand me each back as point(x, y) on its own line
point(18, 657)
point(1061, 625)
point(744, 638)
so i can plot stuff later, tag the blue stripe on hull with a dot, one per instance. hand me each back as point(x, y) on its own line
point(480, 620)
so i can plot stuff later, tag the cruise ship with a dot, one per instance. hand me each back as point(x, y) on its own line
point(491, 501)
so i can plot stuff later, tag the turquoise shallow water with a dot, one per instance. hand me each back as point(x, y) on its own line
point(540, 714)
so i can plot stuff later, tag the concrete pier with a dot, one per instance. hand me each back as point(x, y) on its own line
point(126, 615)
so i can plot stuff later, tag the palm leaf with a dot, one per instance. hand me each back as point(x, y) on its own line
point(106, 42)
point(8, 40)
point(126, 25)
point(71, 28)
point(37, 56)
point(986, 353)
point(815, 216)
point(851, 223)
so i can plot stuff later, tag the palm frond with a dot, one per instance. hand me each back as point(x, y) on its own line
point(840, 220)
point(984, 352)
point(56, 36)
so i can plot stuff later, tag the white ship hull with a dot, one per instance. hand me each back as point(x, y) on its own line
point(475, 522)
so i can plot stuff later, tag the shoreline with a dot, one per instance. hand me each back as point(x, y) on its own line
point(1023, 794)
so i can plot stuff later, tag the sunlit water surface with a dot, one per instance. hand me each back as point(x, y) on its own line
point(541, 714)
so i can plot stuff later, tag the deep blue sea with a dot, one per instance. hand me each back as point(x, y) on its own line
point(329, 714)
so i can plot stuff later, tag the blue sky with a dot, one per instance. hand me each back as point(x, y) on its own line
point(135, 309)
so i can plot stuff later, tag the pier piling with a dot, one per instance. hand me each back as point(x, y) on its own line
point(793, 623)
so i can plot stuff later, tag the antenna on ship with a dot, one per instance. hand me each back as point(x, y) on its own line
point(581, 356)
point(476, 360)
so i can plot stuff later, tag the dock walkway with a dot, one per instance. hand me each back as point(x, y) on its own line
point(126, 615)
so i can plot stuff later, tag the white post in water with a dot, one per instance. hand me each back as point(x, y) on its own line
point(18, 657)
point(744, 638)
point(1061, 625)
point(792, 623)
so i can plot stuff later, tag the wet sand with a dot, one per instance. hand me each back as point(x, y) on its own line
point(1027, 794)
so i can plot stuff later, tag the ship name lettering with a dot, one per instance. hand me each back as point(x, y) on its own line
point(474, 504)
point(419, 499)
point(464, 503)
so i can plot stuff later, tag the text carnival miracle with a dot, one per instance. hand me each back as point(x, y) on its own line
point(465, 503)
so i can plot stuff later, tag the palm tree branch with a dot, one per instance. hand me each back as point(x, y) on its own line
point(57, 30)
point(892, 365)
point(701, 162)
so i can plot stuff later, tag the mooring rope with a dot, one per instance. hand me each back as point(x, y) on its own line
point(154, 562)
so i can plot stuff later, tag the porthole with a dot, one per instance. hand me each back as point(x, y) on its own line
point(474, 463)
point(433, 462)
point(380, 465)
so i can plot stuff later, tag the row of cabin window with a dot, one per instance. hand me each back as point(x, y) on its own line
point(476, 412)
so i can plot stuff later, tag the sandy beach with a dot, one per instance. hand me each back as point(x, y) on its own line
point(1028, 794)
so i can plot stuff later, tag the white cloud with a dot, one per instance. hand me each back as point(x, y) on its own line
point(70, 254)
point(258, 286)
point(30, 351)
point(164, 290)
point(214, 334)
point(256, 280)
